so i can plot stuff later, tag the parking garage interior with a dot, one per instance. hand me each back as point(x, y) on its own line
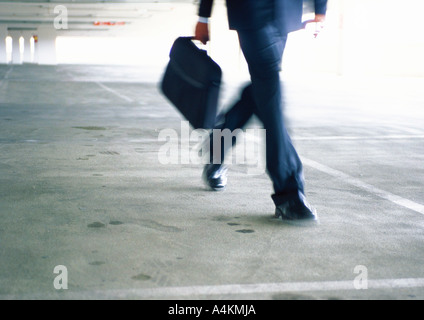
point(88, 210)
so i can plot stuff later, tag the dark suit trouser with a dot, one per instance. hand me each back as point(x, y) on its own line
point(263, 50)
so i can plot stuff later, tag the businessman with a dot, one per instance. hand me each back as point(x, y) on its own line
point(262, 27)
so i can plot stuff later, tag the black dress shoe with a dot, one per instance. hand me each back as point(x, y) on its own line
point(296, 210)
point(215, 176)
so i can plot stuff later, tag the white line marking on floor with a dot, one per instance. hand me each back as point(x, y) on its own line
point(114, 92)
point(382, 137)
point(365, 186)
point(406, 128)
point(6, 76)
point(230, 289)
point(266, 288)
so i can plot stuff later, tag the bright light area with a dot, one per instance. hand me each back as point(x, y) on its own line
point(9, 43)
point(111, 50)
point(23, 47)
point(359, 38)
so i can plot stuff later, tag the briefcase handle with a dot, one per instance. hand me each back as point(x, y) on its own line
point(199, 44)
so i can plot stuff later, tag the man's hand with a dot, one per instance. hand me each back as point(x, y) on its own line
point(319, 23)
point(202, 32)
point(319, 18)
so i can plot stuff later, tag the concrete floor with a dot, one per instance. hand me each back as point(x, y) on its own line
point(81, 186)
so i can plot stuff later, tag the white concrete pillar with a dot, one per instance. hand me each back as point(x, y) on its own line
point(46, 46)
point(3, 35)
point(16, 48)
point(35, 57)
point(27, 58)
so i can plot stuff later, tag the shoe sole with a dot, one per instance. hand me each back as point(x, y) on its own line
point(205, 181)
point(217, 189)
point(298, 222)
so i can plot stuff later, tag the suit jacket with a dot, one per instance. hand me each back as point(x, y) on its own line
point(254, 14)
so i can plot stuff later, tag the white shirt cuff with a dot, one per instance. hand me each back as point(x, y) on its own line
point(203, 20)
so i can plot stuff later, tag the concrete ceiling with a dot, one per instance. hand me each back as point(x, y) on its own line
point(85, 16)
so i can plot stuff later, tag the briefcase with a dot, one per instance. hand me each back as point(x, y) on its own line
point(192, 83)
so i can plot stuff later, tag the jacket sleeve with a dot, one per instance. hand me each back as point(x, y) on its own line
point(205, 8)
point(320, 6)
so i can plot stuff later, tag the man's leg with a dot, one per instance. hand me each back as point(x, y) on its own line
point(235, 118)
point(263, 50)
point(215, 172)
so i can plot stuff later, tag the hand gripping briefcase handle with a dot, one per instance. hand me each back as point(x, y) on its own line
point(192, 83)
